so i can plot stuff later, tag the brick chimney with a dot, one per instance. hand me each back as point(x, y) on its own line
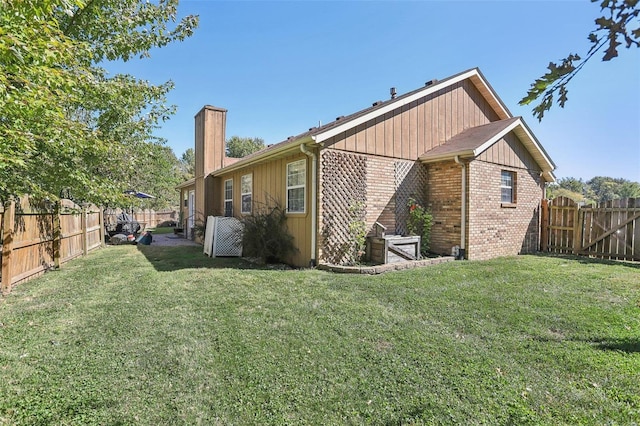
point(210, 123)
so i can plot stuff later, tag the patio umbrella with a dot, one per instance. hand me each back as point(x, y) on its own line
point(138, 194)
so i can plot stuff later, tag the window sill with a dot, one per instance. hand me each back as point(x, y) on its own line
point(295, 214)
point(508, 205)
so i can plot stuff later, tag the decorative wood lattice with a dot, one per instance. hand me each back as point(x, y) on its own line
point(410, 182)
point(344, 183)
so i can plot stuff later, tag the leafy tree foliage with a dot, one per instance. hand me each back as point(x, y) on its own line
point(157, 174)
point(595, 190)
point(619, 24)
point(238, 147)
point(188, 164)
point(65, 124)
point(606, 188)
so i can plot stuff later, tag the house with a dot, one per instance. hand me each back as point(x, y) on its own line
point(452, 145)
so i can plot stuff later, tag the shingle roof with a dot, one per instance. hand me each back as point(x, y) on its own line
point(319, 134)
point(469, 141)
point(475, 140)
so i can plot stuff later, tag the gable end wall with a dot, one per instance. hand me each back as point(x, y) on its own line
point(409, 131)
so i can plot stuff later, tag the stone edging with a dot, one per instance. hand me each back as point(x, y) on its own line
point(379, 269)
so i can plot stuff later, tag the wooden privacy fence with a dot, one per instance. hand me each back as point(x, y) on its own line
point(609, 230)
point(146, 218)
point(37, 237)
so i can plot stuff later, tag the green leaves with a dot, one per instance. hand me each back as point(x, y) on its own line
point(64, 123)
point(554, 80)
point(610, 29)
point(238, 147)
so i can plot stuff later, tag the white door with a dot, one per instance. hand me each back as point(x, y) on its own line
point(191, 211)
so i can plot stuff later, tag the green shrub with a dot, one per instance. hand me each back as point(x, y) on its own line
point(357, 232)
point(419, 223)
point(266, 235)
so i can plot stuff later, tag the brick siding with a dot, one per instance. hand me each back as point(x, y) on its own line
point(443, 200)
point(496, 230)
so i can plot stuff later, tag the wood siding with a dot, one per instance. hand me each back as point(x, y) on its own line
point(413, 129)
point(269, 186)
point(509, 151)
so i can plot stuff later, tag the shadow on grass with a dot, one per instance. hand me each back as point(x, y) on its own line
point(166, 259)
point(627, 345)
point(591, 260)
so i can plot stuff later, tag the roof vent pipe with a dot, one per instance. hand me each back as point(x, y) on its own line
point(392, 91)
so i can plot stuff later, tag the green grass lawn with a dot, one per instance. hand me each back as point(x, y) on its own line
point(161, 335)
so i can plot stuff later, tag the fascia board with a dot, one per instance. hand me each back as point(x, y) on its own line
point(537, 144)
point(479, 150)
point(268, 154)
point(448, 156)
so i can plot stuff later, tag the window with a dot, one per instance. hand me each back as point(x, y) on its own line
point(508, 186)
point(228, 197)
point(246, 187)
point(296, 186)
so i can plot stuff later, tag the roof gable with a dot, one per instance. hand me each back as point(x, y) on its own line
point(476, 140)
point(342, 124)
point(379, 109)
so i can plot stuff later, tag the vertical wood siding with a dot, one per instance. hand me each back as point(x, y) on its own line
point(415, 128)
point(269, 186)
point(509, 151)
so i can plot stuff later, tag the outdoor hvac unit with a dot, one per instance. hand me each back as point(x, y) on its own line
point(223, 237)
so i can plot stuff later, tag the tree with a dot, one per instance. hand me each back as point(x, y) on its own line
point(188, 164)
point(572, 184)
point(618, 24)
point(65, 125)
point(607, 188)
point(595, 190)
point(238, 147)
point(158, 174)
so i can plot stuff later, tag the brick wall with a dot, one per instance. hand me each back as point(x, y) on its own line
point(382, 178)
point(381, 202)
point(496, 230)
point(443, 199)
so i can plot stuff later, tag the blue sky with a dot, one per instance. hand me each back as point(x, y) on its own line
point(282, 67)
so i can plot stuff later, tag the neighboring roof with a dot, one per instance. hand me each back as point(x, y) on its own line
point(341, 124)
point(475, 140)
point(187, 183)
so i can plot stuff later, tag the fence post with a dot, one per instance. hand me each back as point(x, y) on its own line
point(85, 234)
point(7, 245)
point(101, 222)
point(577, 230)
point(544, 225)
point(57, 234)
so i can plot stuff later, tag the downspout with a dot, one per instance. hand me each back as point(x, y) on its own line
point(314, 201)
point(463, 212)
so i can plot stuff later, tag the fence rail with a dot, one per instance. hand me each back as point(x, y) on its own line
point(609, 230)
point(38, 236)
point(146, 218)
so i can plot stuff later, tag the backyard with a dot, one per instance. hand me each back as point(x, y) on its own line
point(164, 335)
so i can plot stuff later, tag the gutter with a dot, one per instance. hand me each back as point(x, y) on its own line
point(463, 212)
point(268, 153)
point(314, 201)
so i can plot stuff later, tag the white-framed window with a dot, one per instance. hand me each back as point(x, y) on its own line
point(296, 186)
point(228, 197)
point(246, 189)
point(508, 186)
